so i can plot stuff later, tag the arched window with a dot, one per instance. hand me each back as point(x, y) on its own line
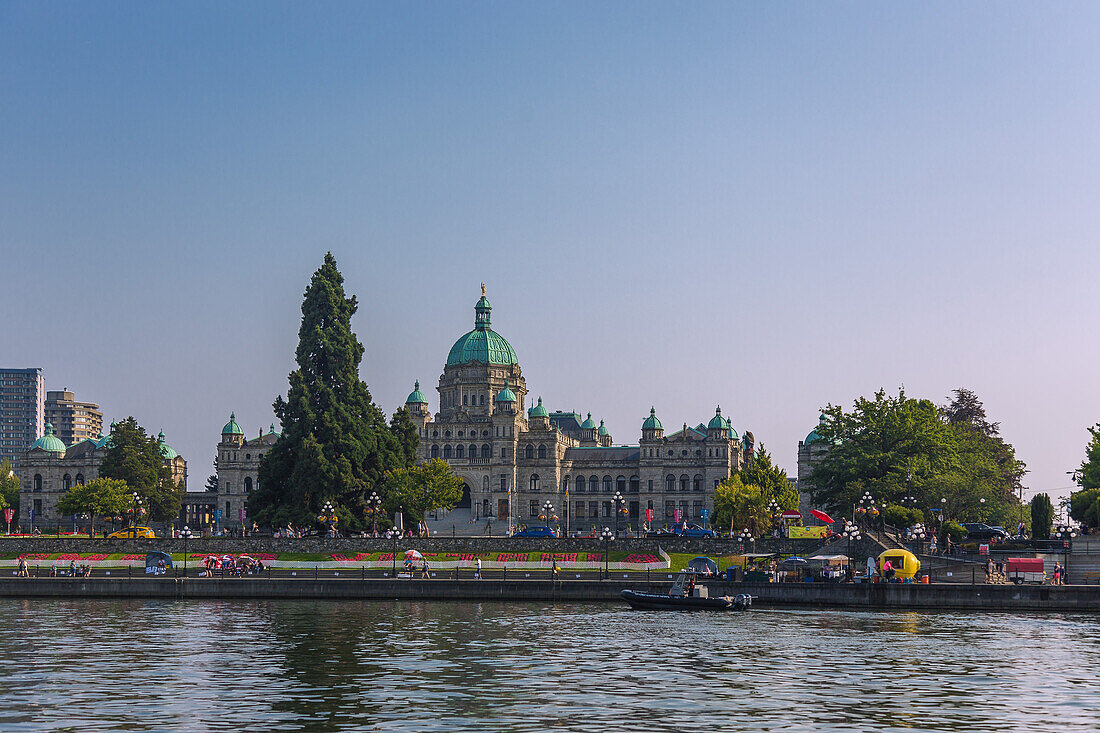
point(435, 433)
point(620, 484)
point(484, 484)
point(473, 451)
point(542, 451)
point(447, 434)
point(67, 482)
point(698, 454)
point(486, 451)
point(607, 484)
point(447, 451)
point(635, 485)
point(697, 483)
point(580, 484)
point(248, 484)
point(80, 479)
point(593, 484)
point(534, 482)
point(670, 483)
point(483, 400)
point(435, 451)
point(248, 456)
point(684, 482)
point(670, 454)
point(529, 452)
point(460, 451)
point(38, 482)
point(460, 433)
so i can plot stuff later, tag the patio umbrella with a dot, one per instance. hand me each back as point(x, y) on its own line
point(795, 561)
point(413, 556)
point(822, 516)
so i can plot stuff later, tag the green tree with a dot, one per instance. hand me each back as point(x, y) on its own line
point(773, 480)
point(134, 457)
point(1084, 505)
point(9, 487)
point(1042, 517)
point(101, 497)
point(408, 437)
point(738, 505)
point(420, 489)
point(335, 443)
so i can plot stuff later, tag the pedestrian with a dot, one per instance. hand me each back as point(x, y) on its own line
point(23, 567)
point(988, 569)
point(72, 568)
point(477, 572)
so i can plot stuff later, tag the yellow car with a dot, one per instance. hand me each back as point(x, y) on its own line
point(132, 533)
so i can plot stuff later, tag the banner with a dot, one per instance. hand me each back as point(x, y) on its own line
point(806, 533)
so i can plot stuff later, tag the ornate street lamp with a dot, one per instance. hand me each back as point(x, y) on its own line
point(547, 513)
point(1066, 533)
point(186, 534)
point(607, 536)
point(392, 534)
point(745, 536)
point(374, 505)
point(916, 534)
point(851, 532)
point(328, 517)
point(618, 505)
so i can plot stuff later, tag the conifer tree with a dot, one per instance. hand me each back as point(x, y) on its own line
point(335, 444)
point(134, 456)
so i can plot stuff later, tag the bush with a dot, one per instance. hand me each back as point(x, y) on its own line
point(954, 529)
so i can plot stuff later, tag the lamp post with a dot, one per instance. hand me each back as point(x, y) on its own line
point(136, 509)
point(743, 537)
point(618, 505)
point(915, 534)
point(392, 534)
point(608, 537)
point(186, 534)
point(1066, 532)
point(328, 517)
point(547, 512)
point(773, 512)
point(851, 532)
point(374, 505)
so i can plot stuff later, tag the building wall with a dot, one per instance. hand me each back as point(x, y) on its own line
point(72, 421)
point(22, 411)
point(238, 474)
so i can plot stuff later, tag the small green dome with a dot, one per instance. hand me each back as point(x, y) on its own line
point(102, 440)
point(538, 410)
point(165, 449)
point(651, 422)
point(718, 422)
point(231, 427)
point(506, 395)
point(603, 430)
point(416, 397)
point(588, 424)
point(271, 430)
point(49, 441)
point(814, 436)
point(483, 345)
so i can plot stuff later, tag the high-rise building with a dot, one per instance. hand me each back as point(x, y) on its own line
point(22, 411)
point(72, 421)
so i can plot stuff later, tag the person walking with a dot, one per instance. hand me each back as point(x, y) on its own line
point(477, 571)
point(23, 567)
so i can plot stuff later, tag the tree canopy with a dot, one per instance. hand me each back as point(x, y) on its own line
point(133, 456)
point(1084, 505)
point(1042, 517)
point(420, 489)
point(741, 501)
point(101, 497)
point(894, 447)
point(9, 487)
point(335, 444)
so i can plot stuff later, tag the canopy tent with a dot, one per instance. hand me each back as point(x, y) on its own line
point(757, 555)
point(791, 514)
point(794, 562)
point(827, 557)
point(703, 566)
point(822, 516)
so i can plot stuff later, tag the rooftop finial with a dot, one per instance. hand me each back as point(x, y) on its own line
point(483, 288)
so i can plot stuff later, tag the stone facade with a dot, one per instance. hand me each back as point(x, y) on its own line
point(49, 469)
point(238, 474)
point(810, 452)
point(514, 460)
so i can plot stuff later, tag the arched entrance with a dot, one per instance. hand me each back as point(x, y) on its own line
point(464, 502)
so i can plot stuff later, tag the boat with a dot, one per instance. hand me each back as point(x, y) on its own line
point(685, 595)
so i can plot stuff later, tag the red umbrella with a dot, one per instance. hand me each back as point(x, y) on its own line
point(822, 516)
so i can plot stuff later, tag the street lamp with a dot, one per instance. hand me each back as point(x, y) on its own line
point(851, 532)
point(136, 509)
point(1066, 533)
point(981, 509)
point(744, 536)
point(328, 516)
point(618, 504)
point(548, 512)
point(186, 534)
point(915, 534)
point(392, 534)
point(608, 537)
point(374, 505)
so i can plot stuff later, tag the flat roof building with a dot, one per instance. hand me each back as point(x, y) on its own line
point(22, 411)
point(72, 421)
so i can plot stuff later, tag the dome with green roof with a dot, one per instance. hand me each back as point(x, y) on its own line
point(814, 436)
point(231, 427)
point(718, 422)
point(603, 430)
point(271, 430)
point(103, 440)
point(483, 345)
point(165, 449)
point(651, 422)
point(416, 397)
point(538, 410)
point(506, 395)
point(588, 424)
point(49, 441)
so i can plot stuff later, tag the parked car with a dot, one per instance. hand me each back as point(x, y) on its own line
point(694, 530)
point(132, 533)
point(662, 532)
point(537, 531)
point(979, 531)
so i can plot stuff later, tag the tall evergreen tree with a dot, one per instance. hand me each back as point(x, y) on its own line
point(134, 456)
point(335, 443)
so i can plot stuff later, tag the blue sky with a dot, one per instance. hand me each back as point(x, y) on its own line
point(771, 207)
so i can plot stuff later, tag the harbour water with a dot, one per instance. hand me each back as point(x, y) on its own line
point(294, 665)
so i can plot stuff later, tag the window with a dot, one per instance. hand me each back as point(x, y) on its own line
point(503, 452)
point(620, 484)
point(698, 453)
point(534, 508)
point(447, 451)
point(580, 487)
point(670, 483)
point(460, 451)
point(80, 479)
point(683, 453)
point(607, 510)
point(697, 483)
point(226, 516)
point(485, 486)
point(465, 400)
point(594, 486)
point(651, 486)
point(565, 484)
point(580, 510)
point(460, 433)
point(447, 434)
point(607, 484)
point(529, 452)
point(248, 456)
point(594, 509)
point(37, 507)
point(670, 454)
point(542, 451)
point(534, 482)
point(248, 484)
point(486, 451)
point(503, 482)
point(473, 451)
point(635, 485)
point(684, 482)
point(67, 482)
point(697, 509)
point(37, 482)
point(435, 451)
point(683, 510)
point(435, 433)
point(483, 400)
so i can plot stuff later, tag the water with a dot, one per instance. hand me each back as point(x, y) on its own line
point(300, 665)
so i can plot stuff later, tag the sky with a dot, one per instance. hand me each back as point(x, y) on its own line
point(765, 206)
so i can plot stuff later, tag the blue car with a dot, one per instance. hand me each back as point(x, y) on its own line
point(540, 531)
point(694, 530)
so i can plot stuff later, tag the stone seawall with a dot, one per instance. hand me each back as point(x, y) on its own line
point(895, 597)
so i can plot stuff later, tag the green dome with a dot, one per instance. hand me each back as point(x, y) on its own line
point(483, 345)
point(603, 430)
point(588, 424)
point(506, 395)
point(718, 422)
point(733, 434)
point(651, 422)
point(814, 436)
point(538, 410)
point(102, 440)
point(49, 441)
point(231, 427)
point(165, 449)
point(271, 430)
point(416, 397)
